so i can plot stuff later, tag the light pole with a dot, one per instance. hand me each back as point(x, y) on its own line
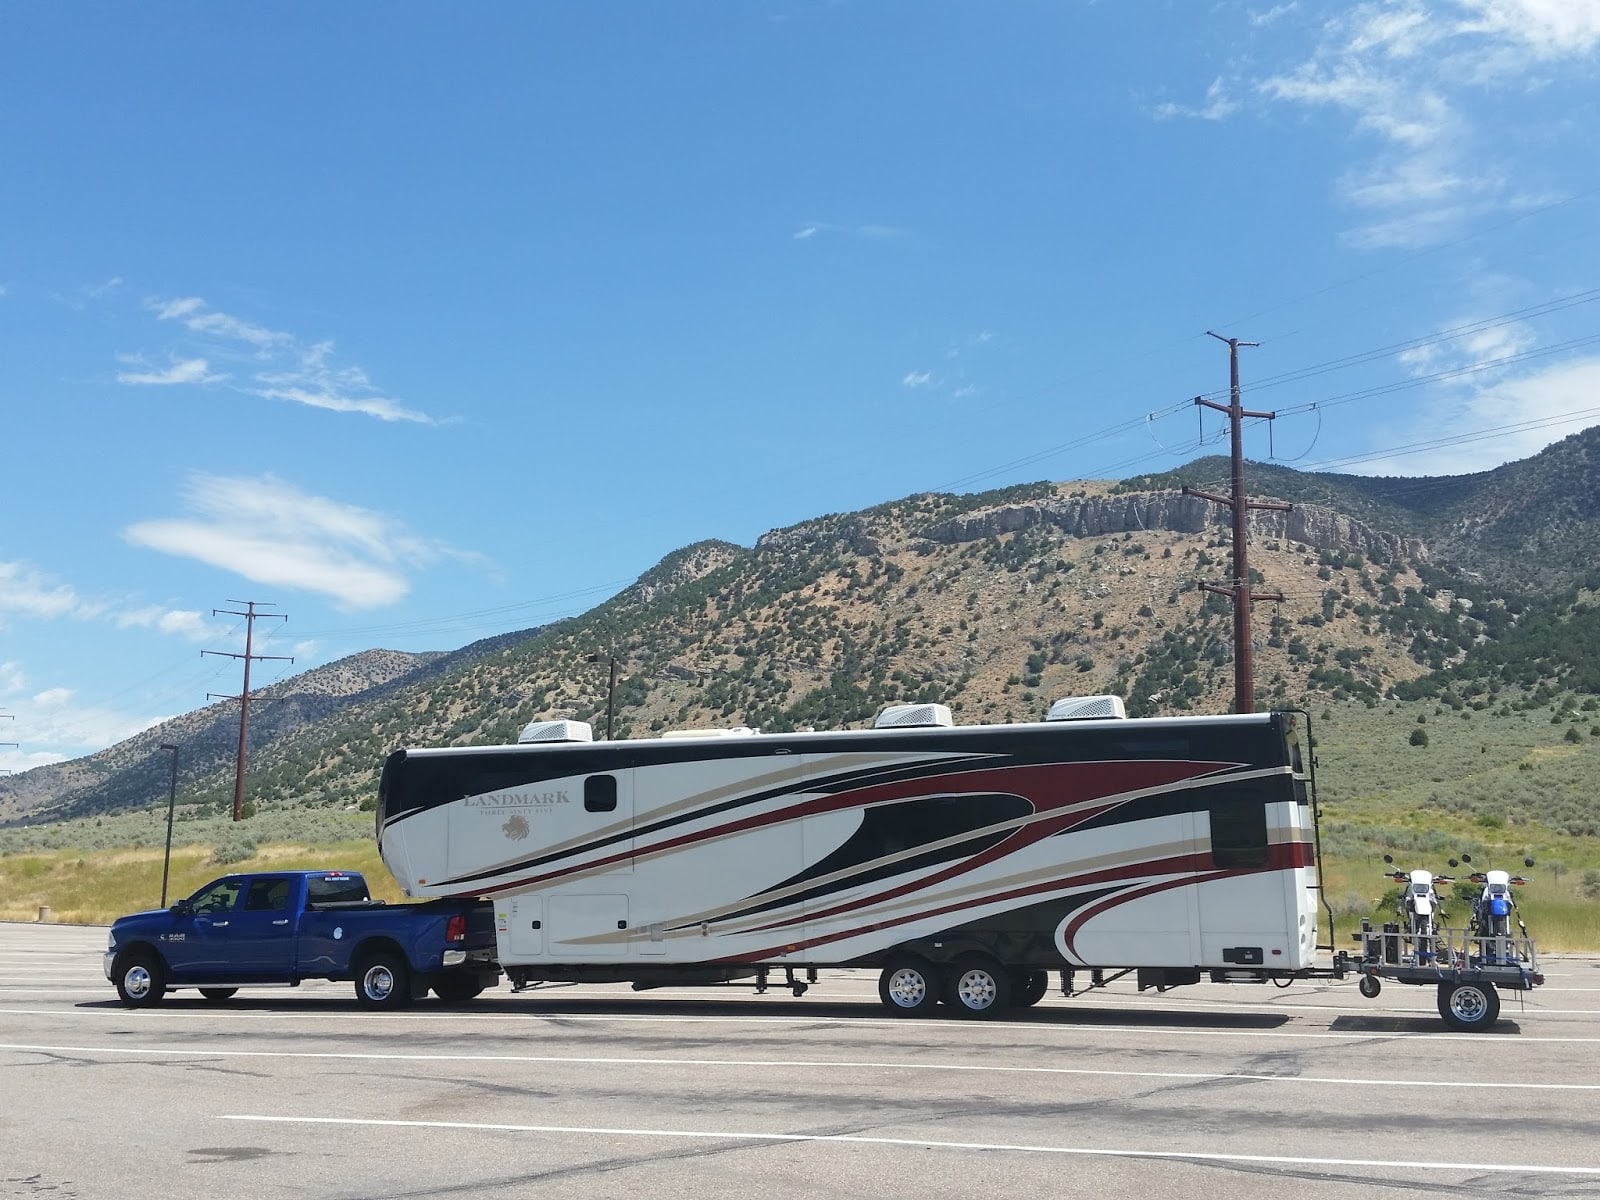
point(172, 799)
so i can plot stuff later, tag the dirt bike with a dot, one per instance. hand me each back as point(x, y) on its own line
point(1492, 910)
point(1421, 914)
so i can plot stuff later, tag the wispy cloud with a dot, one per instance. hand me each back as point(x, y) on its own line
point(188, 370)
point(1217, 106)
point(197, 317)
point(28, 593)
point(917, 379)
point(1518, 414)
point(270, 532)
point(812, 229)
point(1427, 82)
point(270, 363)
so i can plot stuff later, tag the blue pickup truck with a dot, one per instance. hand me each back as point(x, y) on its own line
point(283, 927)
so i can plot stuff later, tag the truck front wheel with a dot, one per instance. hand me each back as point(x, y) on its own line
point(383, 980)
point(141, 979)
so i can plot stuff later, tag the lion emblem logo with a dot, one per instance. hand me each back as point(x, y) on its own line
point(516, 828)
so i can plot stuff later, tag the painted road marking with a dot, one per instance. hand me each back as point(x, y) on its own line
point(924, 1144)
point(767, 1064)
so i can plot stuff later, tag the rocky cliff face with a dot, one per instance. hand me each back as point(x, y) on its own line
point(1098, 516)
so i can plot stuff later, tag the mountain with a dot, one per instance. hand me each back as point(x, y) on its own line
point(994, 603)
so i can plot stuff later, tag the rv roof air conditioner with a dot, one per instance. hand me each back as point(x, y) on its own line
point(914, 716)
point(1087, 708)
point(556, 731)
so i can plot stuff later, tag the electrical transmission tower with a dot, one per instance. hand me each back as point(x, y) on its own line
point(250, 614)
point(8, 717)
point(1244, 684)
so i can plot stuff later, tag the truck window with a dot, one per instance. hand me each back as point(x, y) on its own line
point(267, 895)
point(219, 897)
point(335, 889)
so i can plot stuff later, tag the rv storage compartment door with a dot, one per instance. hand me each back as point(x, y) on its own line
point(524, 926)
point(588, 926)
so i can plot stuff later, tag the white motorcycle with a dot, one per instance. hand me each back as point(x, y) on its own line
point(1421, 914)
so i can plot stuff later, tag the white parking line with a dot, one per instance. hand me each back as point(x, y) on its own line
point(857, 1139)
point(774, 1063)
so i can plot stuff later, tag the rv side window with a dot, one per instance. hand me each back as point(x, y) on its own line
point(600, 793)
point(1239, 833)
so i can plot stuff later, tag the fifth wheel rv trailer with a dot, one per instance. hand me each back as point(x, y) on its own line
point(964, 862)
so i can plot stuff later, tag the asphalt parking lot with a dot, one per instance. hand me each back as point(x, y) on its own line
point(601, 1092)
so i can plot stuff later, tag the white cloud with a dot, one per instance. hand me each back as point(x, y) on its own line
point(192, 311)
point(1518, 417)
point(270, 532)
point(917, 379)
point(12, 678)
point(53, 698)
point(274, 365)
point(812, 228)
point(1427, 81)
point(189, 370)
point(185, 623)
point(1218, 105)
point(28, 592)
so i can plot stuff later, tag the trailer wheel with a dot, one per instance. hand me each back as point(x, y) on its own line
point(141, 979)
point(1469, 1007)
point(1370, 986)
point(909, 987)
point(383, 980)
point(218, 995)
point(1028, 987)
point(978, 986)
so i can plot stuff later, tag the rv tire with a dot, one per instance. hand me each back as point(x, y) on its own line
point(909, 986)
point(1028, 987)
point(457, 988)
point(977, 986)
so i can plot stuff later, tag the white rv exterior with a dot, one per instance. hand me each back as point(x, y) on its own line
point(1173, 845)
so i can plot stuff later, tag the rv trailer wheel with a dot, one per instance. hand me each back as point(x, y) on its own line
point(978, 986)
point(909, 987)
point(1028, 987)
point(1469, 1007)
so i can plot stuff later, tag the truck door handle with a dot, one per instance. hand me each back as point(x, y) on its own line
point(285, 921)
point(219, 924)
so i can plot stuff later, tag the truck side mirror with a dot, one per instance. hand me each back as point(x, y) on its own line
point(182, 909)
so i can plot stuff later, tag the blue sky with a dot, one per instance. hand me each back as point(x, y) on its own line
point(421, 323)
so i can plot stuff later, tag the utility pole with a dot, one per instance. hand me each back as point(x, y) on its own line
point(1244, 683)
point(250, 614)
point(8, 717)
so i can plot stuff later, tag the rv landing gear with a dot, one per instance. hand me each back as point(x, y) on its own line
point(797, 986)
